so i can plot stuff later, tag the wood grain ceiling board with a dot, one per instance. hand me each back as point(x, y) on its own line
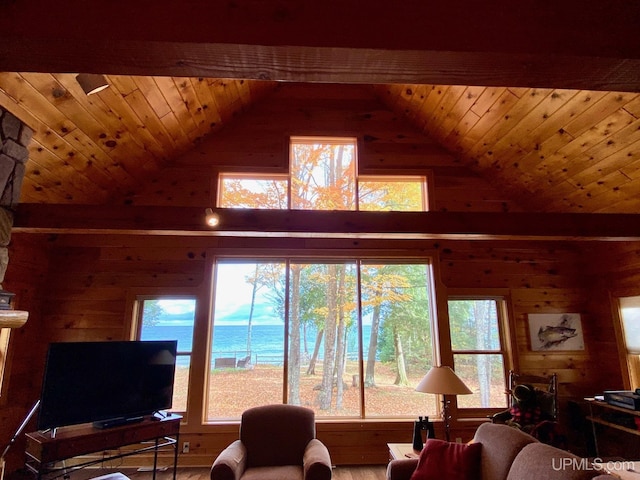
point(552, 150)
point(89, 149)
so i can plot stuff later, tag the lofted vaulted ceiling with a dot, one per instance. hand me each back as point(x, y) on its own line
point(552, 150)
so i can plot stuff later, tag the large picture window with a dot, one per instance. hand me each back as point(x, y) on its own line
point(345, 337)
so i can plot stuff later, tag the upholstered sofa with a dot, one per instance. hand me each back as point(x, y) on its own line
point(510, 454)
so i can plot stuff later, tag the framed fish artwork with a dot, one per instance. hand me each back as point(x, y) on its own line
point(555, 331)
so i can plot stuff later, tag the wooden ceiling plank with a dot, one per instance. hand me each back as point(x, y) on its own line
point(222, 92)
point(174, 128)
point(632, 167)
point(193, 105)
point(124, 83)
point(486, 100)
point(598, 111)
point(208, 103)
point(561, 165)
point(569, 103)
point(113, 143)
point(509, 148)
point(502, 104)
point(429, 105)
point(139, 104)
point(597, 132)
point(403, 99)
point(204, 90)
point(624, 193)
point(115, 101)
point(459, 110)
point(49, 114)
point(449, 100)
point(633, 107)
point(510, 111)
point(56, 175)
point(68, 154)
point(452, 141)
point(597, 169)
point(16, 87)
point(244, 93)
point(153, 95)
point(171, 93)
point(124, 132)
point(510, 121)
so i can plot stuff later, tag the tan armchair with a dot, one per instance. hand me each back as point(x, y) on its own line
point(277, 442)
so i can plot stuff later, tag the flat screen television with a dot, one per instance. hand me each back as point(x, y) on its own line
point(106, 383)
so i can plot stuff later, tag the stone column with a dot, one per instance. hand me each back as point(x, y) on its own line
point(14, 138)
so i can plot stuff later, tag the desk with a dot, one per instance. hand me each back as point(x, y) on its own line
point(401, 450)
point(44, 450)
point(596, 409)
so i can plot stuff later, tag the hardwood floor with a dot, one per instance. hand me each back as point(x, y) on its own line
point(355, 472)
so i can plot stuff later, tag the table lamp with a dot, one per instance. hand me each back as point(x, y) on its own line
point(442, 380)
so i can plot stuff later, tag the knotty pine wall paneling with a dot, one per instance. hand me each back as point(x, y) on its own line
point(26, 277)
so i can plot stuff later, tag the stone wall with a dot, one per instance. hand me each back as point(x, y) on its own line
point(14, 138)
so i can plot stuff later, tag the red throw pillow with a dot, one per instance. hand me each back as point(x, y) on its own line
point(453, 461)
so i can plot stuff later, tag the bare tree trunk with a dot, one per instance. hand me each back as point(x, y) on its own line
point(326, 391)
point(311, 370)
point(253, 302)
point(294, 338)
point(482, 311)
point(341, 340)
point(401, 376)
point(370, 375)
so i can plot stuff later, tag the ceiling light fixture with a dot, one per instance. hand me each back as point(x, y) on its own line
point(92, 83)
point(212, 218)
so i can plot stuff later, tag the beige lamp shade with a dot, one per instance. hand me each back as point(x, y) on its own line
point(444, 381)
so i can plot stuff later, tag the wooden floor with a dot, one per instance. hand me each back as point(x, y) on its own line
point(356, 472)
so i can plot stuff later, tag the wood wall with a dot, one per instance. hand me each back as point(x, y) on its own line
point(86, 279)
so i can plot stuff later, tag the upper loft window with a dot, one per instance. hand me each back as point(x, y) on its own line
point(322, 176)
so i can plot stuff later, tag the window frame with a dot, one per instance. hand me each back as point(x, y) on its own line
point(629, 362)
point(429, 259)
point(133, 327)
point(506, 332)
point(425, 178)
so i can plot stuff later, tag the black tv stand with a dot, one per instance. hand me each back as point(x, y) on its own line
point(88, 445)
point(117, 422)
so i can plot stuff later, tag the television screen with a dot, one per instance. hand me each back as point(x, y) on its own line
point(108, 382)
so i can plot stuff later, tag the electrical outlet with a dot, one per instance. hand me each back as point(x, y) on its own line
point(185, 447)
point(458, 440)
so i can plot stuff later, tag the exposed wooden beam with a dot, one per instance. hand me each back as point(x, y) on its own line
point(569, 44)
point(139, 220)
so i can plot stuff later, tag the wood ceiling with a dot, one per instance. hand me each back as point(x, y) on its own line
point(569, 145)
point(552, 150)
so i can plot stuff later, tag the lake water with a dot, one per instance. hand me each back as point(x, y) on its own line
point(267, 341)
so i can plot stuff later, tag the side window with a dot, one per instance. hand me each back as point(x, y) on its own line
point(477, 344)
point(630, 322)
point(170, 318)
